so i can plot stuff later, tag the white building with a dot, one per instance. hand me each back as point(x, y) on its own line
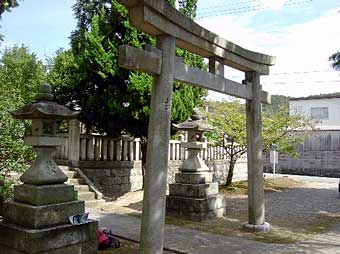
point(324, 108)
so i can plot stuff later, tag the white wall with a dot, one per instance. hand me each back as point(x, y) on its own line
point(304, 107)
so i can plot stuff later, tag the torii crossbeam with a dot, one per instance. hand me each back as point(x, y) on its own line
point(171, 29)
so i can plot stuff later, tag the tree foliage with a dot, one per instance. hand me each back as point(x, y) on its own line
point(6, 5)
point(20, 75)
point(335, 59)
point(279, 129)
point(113, 99)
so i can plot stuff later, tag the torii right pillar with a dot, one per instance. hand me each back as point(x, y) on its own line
point(256, 210)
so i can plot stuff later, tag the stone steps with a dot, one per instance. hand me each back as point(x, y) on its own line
point(94, 203)
point(86, 195)
point(82, 187)
point(71, 174)
point(75, 181)
point(84, 191)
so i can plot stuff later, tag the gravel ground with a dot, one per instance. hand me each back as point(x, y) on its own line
point(311, 201)
point(301, 204)
point(304, 202)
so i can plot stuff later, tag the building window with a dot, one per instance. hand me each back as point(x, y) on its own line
point(319, 113)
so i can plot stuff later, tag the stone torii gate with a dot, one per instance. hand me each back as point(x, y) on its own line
point(171, 29)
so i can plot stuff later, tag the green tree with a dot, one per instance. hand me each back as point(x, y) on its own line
point(114, 100)
point(335, 59)
point(20, 75)
point(229, 119)
point(6, 5)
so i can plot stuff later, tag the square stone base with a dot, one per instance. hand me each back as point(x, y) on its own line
point(43, 194)
point(65, 239)
point(193, 177)
point(196, 209)
point(41, 216)
point(193, 190)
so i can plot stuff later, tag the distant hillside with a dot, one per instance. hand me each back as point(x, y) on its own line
point(278, 102)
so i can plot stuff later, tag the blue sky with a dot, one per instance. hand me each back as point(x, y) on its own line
point(44, 25)
point(301, 33)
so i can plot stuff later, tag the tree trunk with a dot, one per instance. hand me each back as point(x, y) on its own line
point(232, 163)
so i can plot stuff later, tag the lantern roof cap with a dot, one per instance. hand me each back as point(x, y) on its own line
point(44, 107)
point(196, 122)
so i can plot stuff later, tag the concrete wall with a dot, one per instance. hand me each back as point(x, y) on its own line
point(319, 156)
point(304, 107)
point(114, 178)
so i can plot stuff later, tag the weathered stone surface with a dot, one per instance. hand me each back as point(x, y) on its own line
point(265, 227)
point(79, 248)
point(43, 141)
point(215, 83)
point(44, 170)
point(41, 216)
point(194, 178)
point(65, 239)
point(74, 142)
point(157, 17)
point(152, 228)
point(193, 164)
point(137, 59)
point(43, 194)
point(149, 61)
point(256, 207)
point(196, 208)
point(193, 190)
point(194, 38)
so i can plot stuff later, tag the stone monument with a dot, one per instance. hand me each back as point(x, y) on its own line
point(36, 221)
point(194, 196)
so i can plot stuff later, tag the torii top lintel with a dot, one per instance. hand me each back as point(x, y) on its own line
point(156, 17)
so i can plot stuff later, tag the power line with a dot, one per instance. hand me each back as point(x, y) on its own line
point(245, 9)
point(303, 72)
point(294, 73)
point(256, 5)
point(229, 4)
point(304, 82)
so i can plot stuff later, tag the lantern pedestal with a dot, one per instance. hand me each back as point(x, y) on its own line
point(194, 196)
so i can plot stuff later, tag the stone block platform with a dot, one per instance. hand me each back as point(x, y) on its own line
point(196, 209)
point(64, 239)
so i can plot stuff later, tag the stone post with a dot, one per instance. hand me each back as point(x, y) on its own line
point(256, 210)
point(152, 229)
point(74, 142)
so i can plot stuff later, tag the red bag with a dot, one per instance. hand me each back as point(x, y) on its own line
point(106, 240)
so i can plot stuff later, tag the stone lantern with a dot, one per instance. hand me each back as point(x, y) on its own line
point(194, 196)
point(195, 126)
point(37, 220)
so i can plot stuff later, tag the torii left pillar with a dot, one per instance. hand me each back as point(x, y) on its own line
point(152, 230)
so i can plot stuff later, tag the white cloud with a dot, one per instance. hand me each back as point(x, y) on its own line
point(299, 48)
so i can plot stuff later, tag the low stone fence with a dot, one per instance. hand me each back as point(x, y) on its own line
point(319, 156)
point(114, 165)
point(99, 148)
point(310, 163)
point(114, 178)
